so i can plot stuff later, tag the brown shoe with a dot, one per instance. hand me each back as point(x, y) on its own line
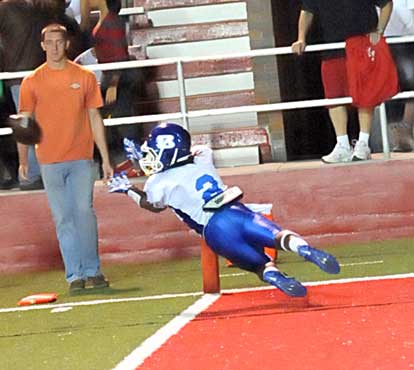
point(76, 285)
point(98, 281)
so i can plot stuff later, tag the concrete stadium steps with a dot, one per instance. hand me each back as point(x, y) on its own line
point(199, 28)
point(327, 204)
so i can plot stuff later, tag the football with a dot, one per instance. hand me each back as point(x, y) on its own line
point(25, 129)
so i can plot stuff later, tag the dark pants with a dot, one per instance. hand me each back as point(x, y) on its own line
point(127, 96)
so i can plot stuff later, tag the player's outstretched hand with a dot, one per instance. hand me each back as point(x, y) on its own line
point(119, 183)
point(132, 150)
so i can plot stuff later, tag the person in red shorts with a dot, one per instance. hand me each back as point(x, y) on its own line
point(346, 20)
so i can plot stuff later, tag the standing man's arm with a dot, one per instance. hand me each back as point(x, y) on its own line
point(22, 151)
point(304, 23)
point(383, 19)
point(85, 9)
point(98, 131)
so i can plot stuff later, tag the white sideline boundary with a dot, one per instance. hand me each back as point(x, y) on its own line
point(153, 343)
point(99, 301)
point(144, 350)
point(191, 294)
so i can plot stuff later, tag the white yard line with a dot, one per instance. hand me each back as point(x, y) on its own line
point(234, 274)
point(100, 301)
point(150, 345)
point(193, 294)
point(361, 263)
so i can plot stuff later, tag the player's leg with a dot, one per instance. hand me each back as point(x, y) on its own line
point(259, 231)
point(224, 234)
point(292, 242)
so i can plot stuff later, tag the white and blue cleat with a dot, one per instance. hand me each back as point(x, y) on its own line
point(286, 284)
point(325, 261)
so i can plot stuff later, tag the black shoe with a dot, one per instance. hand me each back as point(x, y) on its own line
point(35, 185)
point(8, 184)
point(76, 285)
point(98, 281)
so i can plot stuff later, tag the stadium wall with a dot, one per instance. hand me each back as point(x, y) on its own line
point(327, 204)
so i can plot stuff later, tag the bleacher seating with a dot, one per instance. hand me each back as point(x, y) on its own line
point(198, 28)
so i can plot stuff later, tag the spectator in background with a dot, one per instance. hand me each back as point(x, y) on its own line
point(19, 30)
point(54, 11)
point(79, 10)
point(340, 20)
point(89, 57)
point(401, 113)
point(8, 152)
point(119, 87)
point(20, 25)
point(64, 98)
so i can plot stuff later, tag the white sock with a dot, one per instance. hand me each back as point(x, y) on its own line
point(295, 242)
point(343, 140)
point(363, 136)
point(270, 268)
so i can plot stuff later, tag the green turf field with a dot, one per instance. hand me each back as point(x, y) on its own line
point(99, 336)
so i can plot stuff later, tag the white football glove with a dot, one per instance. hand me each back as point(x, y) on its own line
point(119, 183)
point(132, 150)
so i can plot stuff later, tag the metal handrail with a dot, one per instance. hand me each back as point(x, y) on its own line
point(184, 114)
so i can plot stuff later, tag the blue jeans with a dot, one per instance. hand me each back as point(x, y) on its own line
point(69, 188)
point(34, 169)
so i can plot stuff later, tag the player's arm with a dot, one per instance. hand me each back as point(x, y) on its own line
point(121, 184)
point(140, 197)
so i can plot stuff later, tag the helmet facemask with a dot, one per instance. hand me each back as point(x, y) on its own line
point(150, 163)
point(167, 146)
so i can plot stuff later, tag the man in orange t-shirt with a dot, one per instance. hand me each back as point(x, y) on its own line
point(64, 97)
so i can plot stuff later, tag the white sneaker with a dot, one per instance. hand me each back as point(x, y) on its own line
point(362, 152)
point(340, 154)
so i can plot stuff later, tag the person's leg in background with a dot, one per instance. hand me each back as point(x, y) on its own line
point(69, 187)
point(362, 151)
point(124, 107)
point(60, 202)
point(80, 185)
point(34, 181)
point(334, 80)
point(403, 137)
point(9, 163)
point(402, 129)
point(8, 150)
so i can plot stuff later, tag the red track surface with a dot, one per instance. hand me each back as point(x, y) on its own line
point(364, 326)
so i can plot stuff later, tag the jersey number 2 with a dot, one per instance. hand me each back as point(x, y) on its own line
point(210, 187)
